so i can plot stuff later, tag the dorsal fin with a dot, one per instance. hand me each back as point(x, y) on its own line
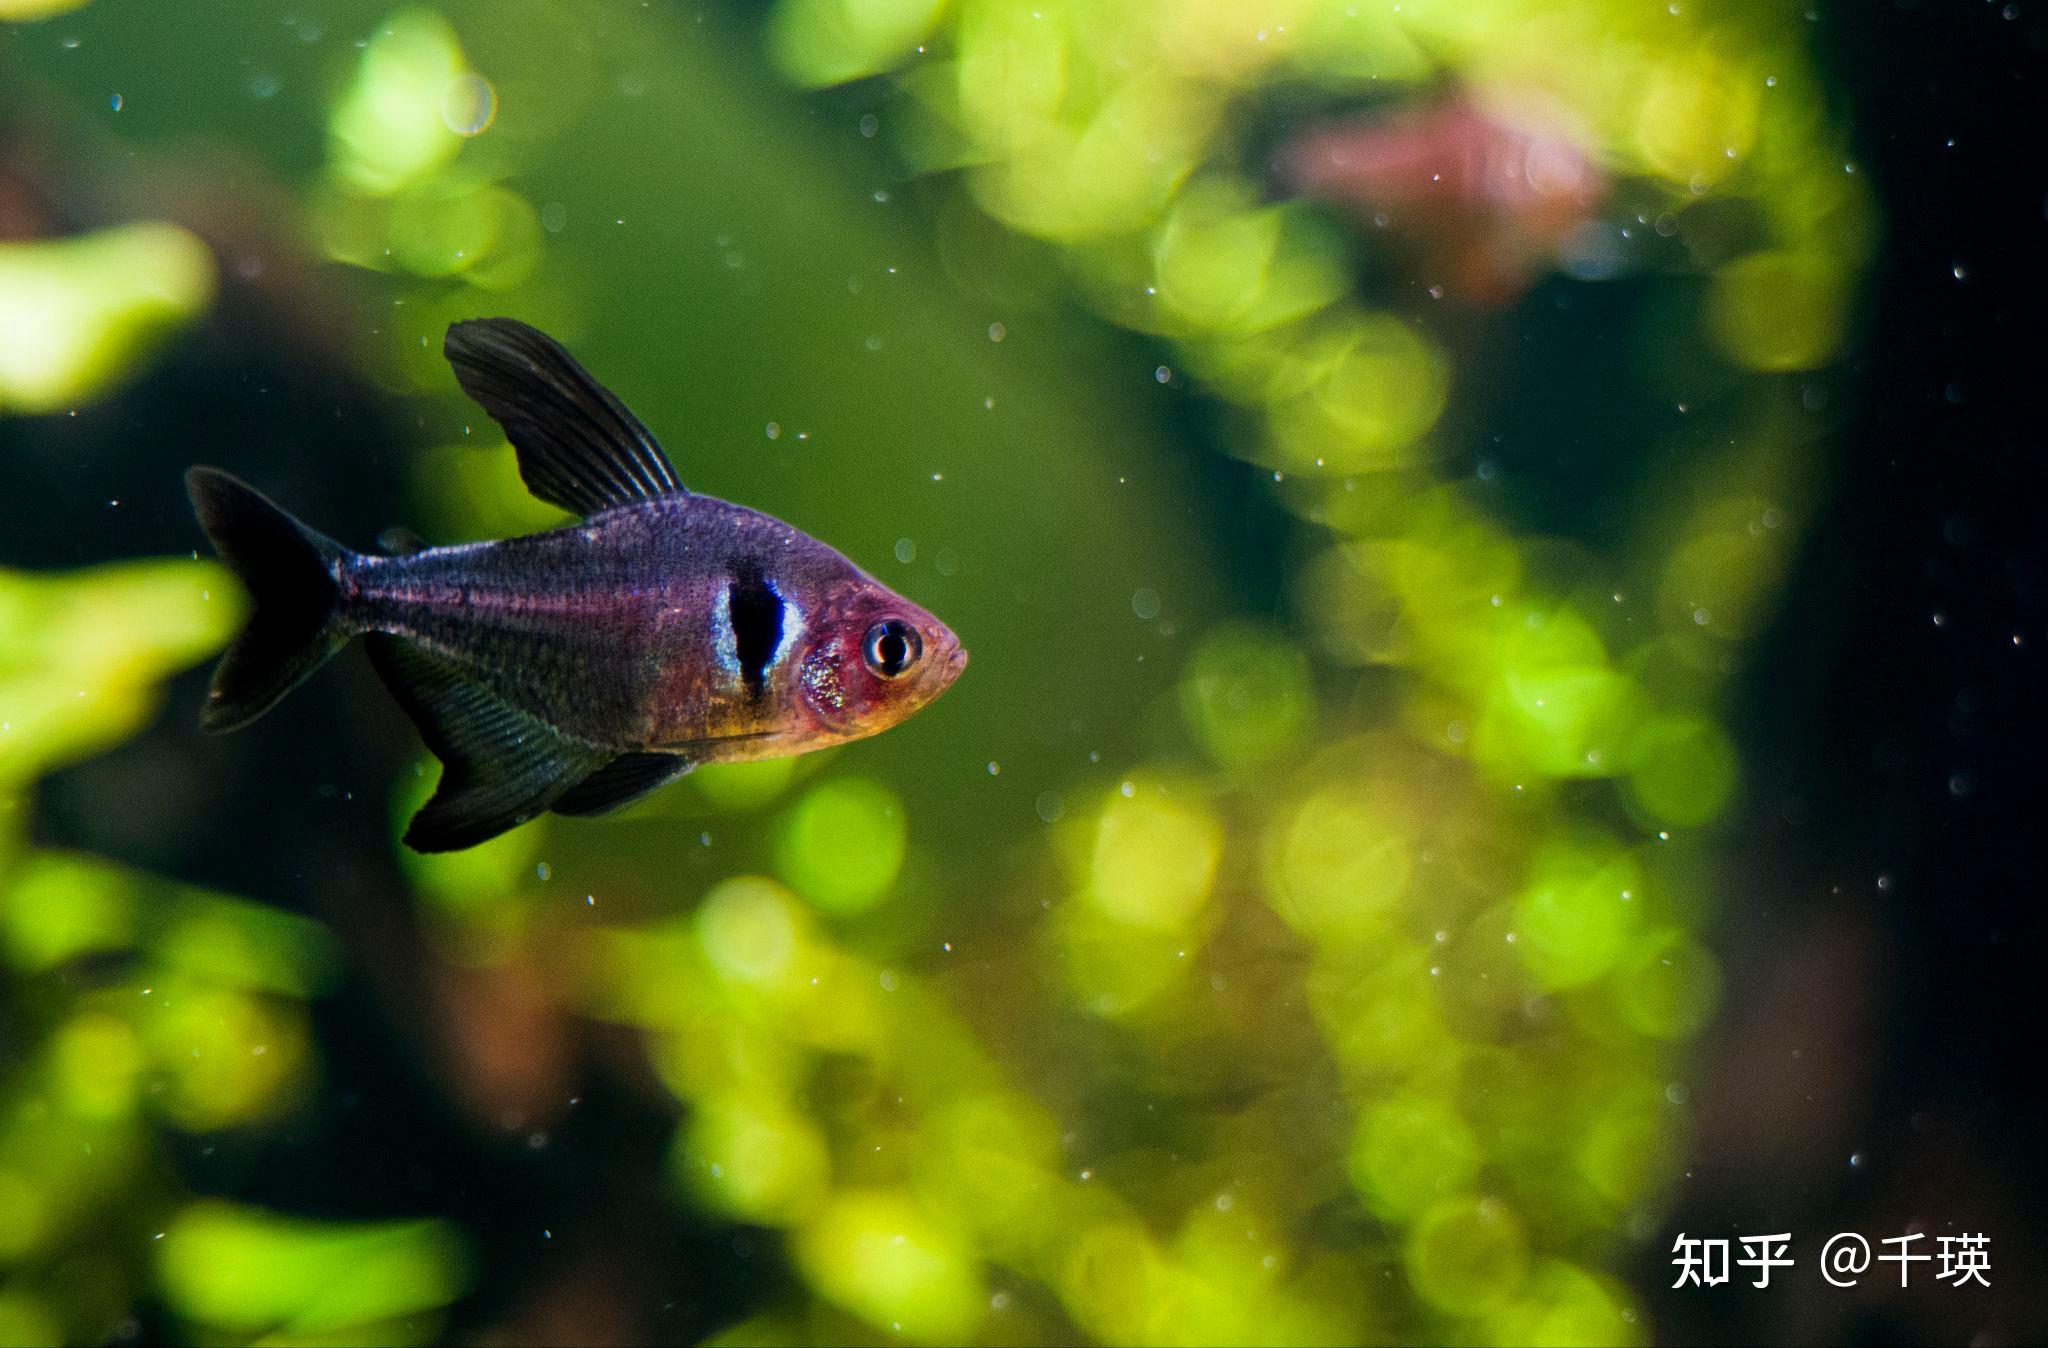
point(500, 766)
point(621, 782)
point(579, 448)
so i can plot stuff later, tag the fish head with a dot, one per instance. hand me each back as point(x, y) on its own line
point(875, 660)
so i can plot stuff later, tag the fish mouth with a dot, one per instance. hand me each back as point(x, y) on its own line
point(941, 668)
point(955, 662)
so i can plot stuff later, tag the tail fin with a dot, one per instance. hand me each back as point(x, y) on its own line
point(290, 572)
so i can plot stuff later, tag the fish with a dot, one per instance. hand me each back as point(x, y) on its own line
point(574, 671)
point(1491, 187)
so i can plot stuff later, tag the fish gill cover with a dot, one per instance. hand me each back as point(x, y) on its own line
point(1296, 927)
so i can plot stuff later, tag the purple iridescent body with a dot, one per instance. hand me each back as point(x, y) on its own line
point(577, 670)
point(631, 630)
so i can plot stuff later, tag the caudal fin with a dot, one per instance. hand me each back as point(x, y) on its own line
point(289, 571)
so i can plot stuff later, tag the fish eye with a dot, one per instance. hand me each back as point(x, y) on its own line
point(891, 647)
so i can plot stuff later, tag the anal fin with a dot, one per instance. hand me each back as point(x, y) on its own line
point(500, 766)
point(621, 782)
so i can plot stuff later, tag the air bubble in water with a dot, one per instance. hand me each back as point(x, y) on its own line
point(469, 104)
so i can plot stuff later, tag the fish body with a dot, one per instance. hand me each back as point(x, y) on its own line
point(576, 670)
point(671, 624)
point(1492, 188)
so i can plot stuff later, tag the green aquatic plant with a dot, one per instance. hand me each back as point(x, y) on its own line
point(139, 1008)
point(1499, 971)
point(82, 312)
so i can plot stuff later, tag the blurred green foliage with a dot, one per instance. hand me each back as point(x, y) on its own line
point(82, 311)
point(137, 1006)
point(1340, 1001)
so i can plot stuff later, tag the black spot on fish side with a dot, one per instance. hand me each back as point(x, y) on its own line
point(756, 611)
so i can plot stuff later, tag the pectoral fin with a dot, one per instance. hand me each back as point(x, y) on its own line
point(579, 448)
point(399, 541)
point(621, 782)
point(500, 766)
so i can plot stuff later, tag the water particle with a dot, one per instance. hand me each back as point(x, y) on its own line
point(553, 217)
point(1145, 603)
point(947, 561)
point(996, 331)
point(115, 102)
point(1128, 790)
point(543, 871)
point(869, 125)
point(774, 430)
point(887, 979)
point(1677, 1093)
point(468, 104)
point(906, 551)
point(1164, 374)
point(1049, 806)
point(263, 86)
point(995, 769)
